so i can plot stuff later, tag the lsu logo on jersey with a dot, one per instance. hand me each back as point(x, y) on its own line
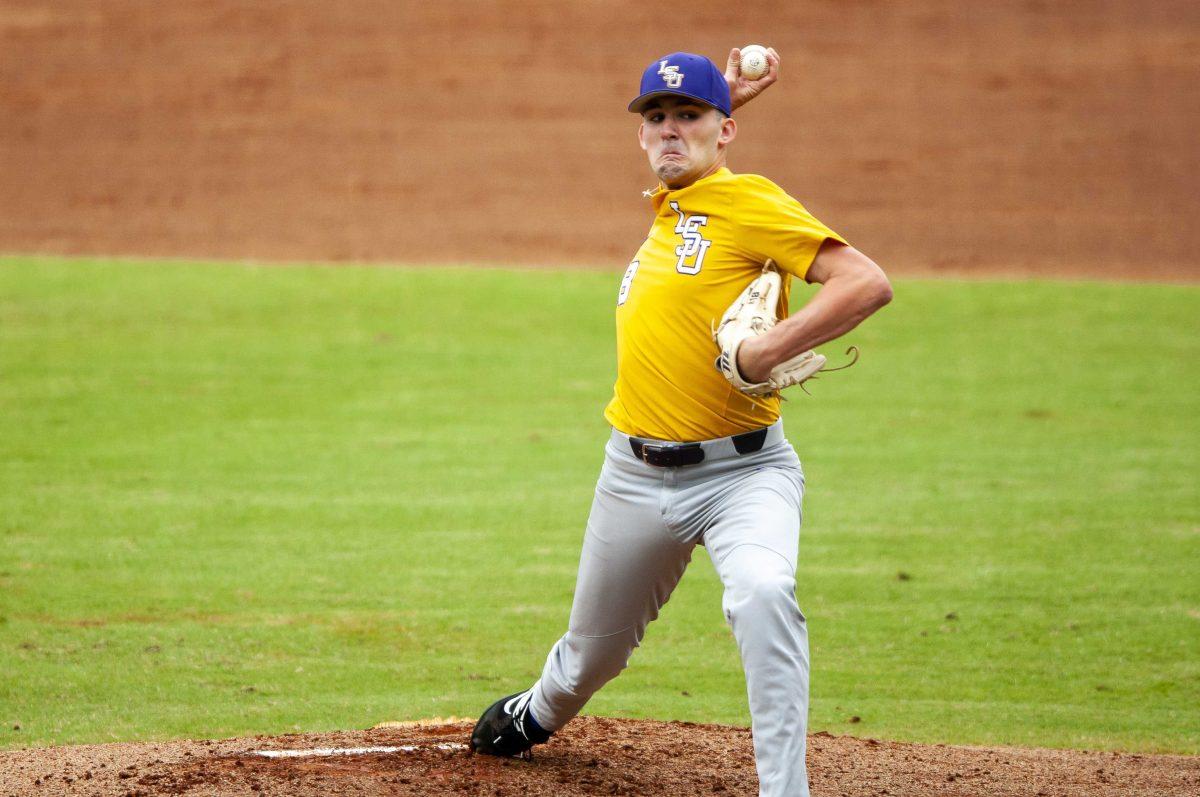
point(694, 244)
point(670, 75)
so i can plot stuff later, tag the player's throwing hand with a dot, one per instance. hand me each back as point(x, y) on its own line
point(742, 90)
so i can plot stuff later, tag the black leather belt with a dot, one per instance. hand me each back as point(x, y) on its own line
point(673, 455)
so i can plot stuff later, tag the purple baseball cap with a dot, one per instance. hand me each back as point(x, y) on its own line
point(684, 75)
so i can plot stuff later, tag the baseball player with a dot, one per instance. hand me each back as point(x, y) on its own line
point(697, 453)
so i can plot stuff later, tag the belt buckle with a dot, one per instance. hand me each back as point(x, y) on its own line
point(646, 451)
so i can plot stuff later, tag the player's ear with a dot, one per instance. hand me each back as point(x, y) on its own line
point(728, 130)
point(641, 135)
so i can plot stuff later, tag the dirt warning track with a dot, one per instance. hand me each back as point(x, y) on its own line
point(1036, 138)
point(592, 756)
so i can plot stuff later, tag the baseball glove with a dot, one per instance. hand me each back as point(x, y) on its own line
point(754, 313)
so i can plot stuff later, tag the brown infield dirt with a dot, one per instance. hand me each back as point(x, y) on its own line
point(592, 756)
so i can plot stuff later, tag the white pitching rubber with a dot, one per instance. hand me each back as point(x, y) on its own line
point(322, 752)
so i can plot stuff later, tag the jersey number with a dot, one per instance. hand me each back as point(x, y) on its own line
point(623, 294)
point(694, 244)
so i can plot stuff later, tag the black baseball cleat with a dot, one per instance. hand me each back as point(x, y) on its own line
point(507, 728)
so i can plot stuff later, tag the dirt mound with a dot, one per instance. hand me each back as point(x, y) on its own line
point(591, 756)
point(1034, 137)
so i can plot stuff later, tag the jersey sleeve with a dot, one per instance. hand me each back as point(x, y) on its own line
point(768, 223)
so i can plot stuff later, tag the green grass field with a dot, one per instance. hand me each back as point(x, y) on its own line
point(244, 499)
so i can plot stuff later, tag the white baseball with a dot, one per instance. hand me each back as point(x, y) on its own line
point(754, 61)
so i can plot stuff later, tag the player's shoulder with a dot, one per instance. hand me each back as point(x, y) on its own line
point(752, 192)
point(754, 182)
point(757, 187)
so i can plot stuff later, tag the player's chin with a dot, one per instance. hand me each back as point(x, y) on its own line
point(669, 168)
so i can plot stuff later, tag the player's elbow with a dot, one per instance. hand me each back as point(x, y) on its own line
point(876, 289)
point(883, 291)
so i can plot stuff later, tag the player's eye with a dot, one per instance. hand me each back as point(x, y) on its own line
point(655, 118)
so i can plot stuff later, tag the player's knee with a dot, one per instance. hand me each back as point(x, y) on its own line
point(757, 594)
point(773, 588)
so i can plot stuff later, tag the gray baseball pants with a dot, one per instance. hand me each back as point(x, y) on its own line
point(644, 523)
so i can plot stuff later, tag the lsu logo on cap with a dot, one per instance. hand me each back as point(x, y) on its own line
point(670, 75)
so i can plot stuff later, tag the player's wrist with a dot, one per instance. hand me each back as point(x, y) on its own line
point(751, 363)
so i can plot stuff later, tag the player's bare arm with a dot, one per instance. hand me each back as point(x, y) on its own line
point(852, 288)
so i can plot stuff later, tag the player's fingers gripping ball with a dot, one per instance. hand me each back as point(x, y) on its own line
point(754, 313)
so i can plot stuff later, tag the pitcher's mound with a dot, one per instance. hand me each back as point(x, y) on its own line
point(591, 756)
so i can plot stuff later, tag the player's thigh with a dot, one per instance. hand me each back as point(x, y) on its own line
point(762, 509)
point(630, 561)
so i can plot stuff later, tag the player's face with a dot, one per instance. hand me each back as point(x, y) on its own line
point(684, 140)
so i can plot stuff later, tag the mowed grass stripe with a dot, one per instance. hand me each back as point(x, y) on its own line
point(242, 499)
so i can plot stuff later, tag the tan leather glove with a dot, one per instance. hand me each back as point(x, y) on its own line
point(754, 313)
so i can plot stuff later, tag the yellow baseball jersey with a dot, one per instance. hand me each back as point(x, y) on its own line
point(708, 241)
